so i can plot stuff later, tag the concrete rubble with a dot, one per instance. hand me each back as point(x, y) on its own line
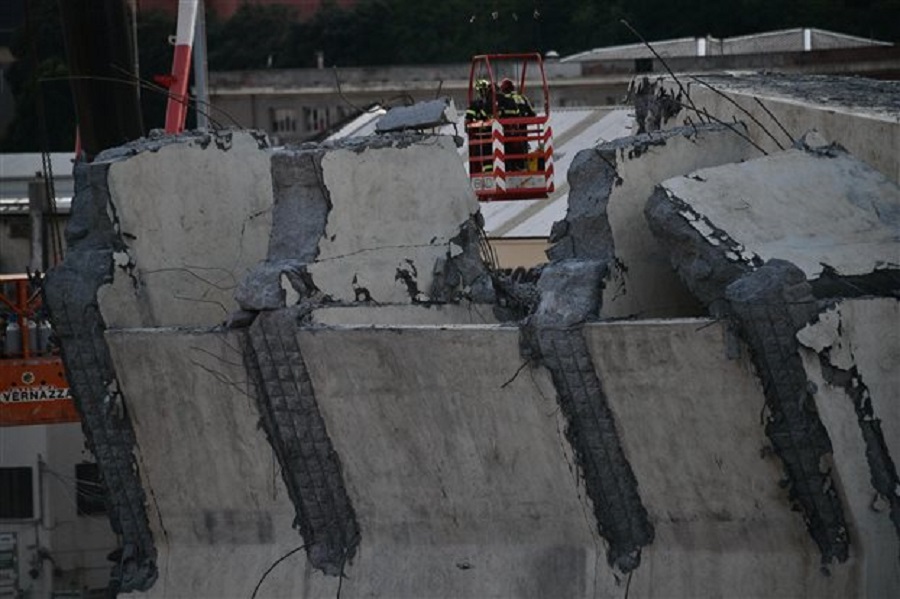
point(302, 375)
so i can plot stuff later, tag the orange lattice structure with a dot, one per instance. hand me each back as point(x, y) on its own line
point(33, 386)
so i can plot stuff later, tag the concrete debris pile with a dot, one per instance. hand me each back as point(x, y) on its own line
point(300, 373)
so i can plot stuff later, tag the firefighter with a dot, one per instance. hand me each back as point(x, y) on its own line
point(516, 104)
point(512, 104)
point(479, 111)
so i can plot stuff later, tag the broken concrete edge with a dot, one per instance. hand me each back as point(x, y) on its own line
point(70, 293)
point(654, 105)
point(158, 139)
point(461, 275)
point(392, 139)
point(302, 206)
point(706, 258)
point(768, 305)
point(665, 98)
point(882, 469)
point(296, 431)
point(838, 372)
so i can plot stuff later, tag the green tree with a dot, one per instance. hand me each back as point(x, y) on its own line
point(154, 58)
point(44, 109)
point(256, 37)
point(40, 42)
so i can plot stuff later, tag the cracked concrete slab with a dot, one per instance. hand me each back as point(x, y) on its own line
point(821, 209)
point(178, 233)
point(371, 222)
point(394, 228)
point(852, 334)
point(190, 229)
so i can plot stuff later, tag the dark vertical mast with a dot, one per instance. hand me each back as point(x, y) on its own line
point(100, 54)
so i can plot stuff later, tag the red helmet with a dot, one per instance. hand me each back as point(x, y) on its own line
point(507, 86)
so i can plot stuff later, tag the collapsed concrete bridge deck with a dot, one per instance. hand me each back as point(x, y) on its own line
point(300, 374)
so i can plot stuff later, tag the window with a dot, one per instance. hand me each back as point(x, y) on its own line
point(90, 490)
point(19, 227)
point(316, 119)
point(643, 65)
point(284, 120)
point(16, 493)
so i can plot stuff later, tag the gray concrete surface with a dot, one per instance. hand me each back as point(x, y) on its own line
point(689, 420)
point(852, 337)
point(309, 451)
point(773, 244)
point(863, 115)
point(396, 229)
point(369, 220)
point(817, 209)
point(181, 231)
point(194, 215)
point(466, 490)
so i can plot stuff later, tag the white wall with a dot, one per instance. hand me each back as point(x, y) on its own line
point(78, 544)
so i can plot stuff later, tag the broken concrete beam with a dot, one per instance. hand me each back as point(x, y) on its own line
point(293, 423)
point(610, 184)
point(165, 231)
point(370, 219)
point(851, 358)
point(771, 243)
point(191, 215)
point(688, 420)
point(770, 304)
point(419, 116)
point(570, 292)
point(261, 231)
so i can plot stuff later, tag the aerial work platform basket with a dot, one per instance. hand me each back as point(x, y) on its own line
point(510, 157)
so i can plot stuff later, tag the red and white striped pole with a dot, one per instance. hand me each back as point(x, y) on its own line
point(177, 108)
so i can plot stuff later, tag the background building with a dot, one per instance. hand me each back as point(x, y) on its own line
point(299, 104)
